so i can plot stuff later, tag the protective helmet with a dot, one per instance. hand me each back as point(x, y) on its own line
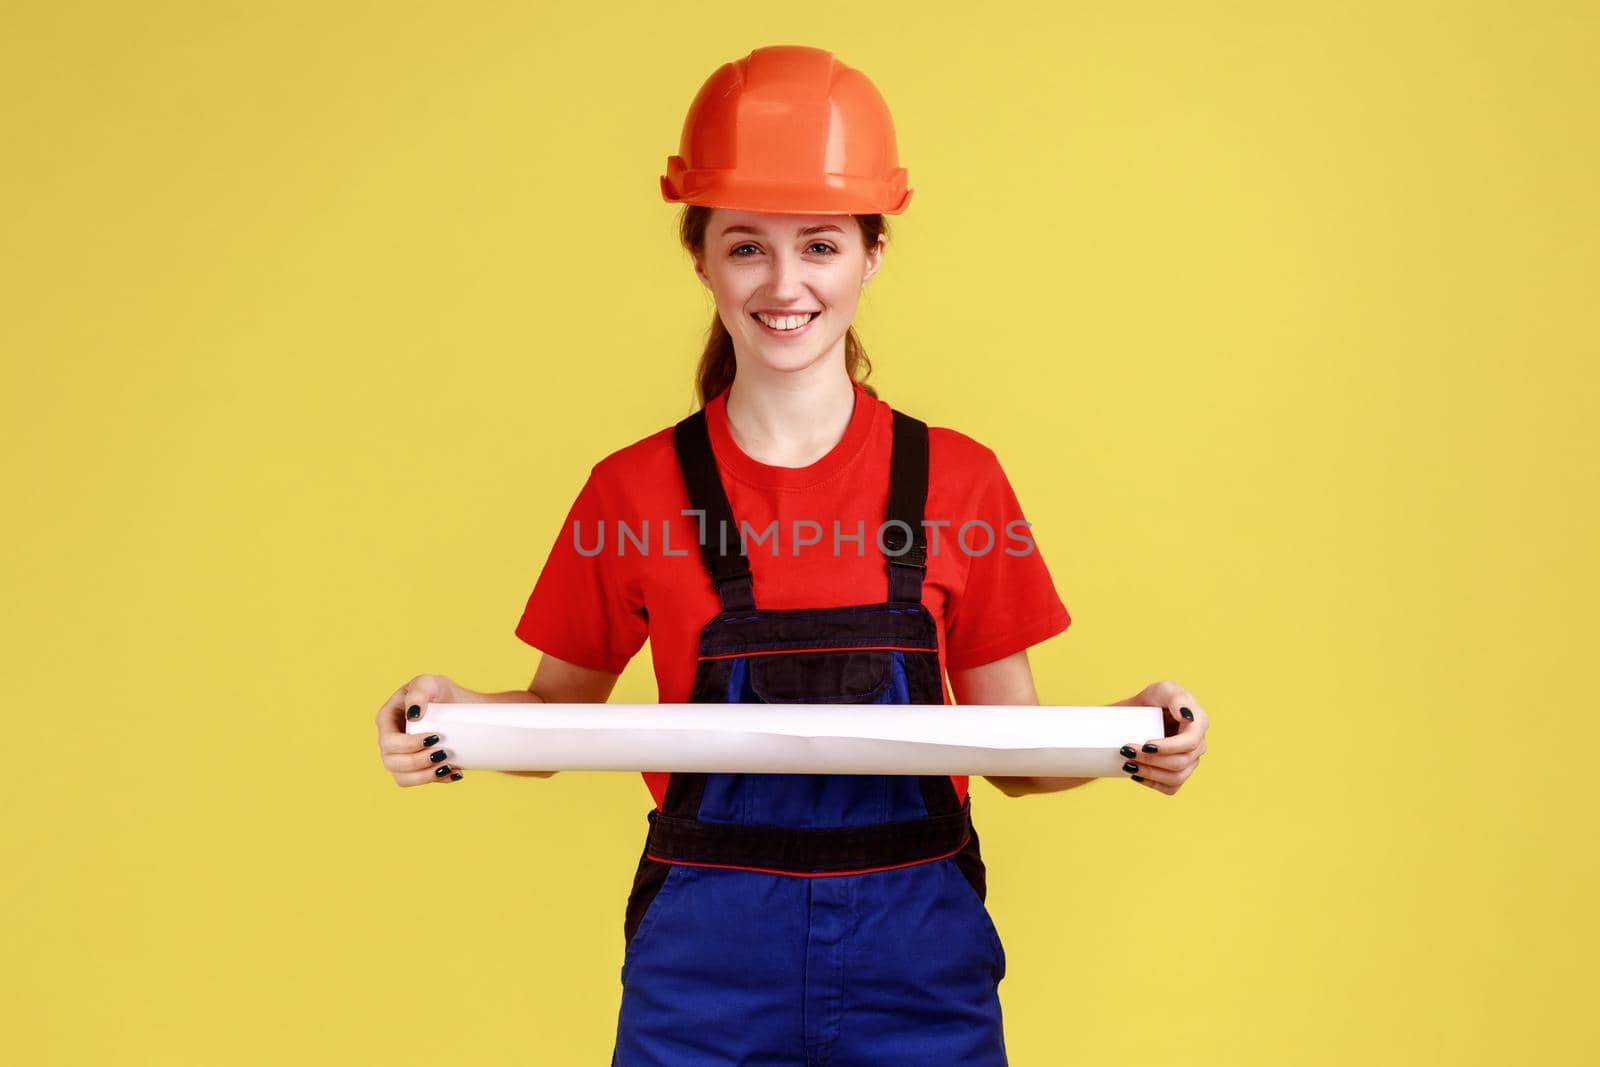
point(789, 129)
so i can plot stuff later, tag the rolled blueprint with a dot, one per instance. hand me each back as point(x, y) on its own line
point(1067, 741)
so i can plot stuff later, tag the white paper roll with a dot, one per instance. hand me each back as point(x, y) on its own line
point(1049, 740)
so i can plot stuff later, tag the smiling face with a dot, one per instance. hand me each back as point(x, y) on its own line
point(786, 285)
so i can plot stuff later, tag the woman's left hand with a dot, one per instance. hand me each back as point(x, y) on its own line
point(1165, 763)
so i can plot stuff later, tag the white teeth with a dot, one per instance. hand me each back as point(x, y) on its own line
point(785, 322)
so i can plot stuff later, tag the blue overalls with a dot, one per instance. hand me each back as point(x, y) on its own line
point(815, 919)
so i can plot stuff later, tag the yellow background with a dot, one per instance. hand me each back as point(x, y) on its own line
point(1280, 318)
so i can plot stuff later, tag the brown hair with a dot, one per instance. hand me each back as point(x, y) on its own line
point(717, 365)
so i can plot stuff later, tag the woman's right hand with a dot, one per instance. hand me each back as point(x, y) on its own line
point(412, 758)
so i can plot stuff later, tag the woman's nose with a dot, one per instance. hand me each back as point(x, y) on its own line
point(787, 279)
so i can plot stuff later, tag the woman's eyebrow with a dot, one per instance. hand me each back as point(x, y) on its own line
point(798, 233)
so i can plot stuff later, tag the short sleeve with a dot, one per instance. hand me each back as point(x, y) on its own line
point(1009, 601)
point(584, 608)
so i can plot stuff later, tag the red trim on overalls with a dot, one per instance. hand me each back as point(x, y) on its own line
point(791, 651)
point(810, 874)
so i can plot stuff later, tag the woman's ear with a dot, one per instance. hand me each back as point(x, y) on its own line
point(874, 260)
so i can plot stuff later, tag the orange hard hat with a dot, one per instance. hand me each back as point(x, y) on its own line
point(791, 129)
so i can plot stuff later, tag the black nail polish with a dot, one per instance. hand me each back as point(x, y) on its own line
point(414, 711)
point(1130, 766)
point(1127, 750)
point(432, 739)
point(442, 771)
point(1148, 747)
point(456, 777)
point(1186, 713)
point(438, 755)
point(1136, 778)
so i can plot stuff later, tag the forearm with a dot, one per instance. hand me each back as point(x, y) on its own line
point(1013, 786)
point(514, 696)
point(1007, 682)
point(510, 696)
point(1023, 786)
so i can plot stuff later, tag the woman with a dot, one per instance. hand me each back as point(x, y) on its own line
point(845, 552)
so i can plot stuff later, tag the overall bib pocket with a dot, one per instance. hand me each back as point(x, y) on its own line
point(855, 677)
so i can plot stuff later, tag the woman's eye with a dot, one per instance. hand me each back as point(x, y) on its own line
point(815, 244)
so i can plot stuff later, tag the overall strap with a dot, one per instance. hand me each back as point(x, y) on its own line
point(728, 566)
point(908, 491)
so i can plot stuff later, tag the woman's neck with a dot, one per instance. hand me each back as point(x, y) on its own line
point(789, 422)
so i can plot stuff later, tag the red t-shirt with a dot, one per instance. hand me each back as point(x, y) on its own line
point(990, 596)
